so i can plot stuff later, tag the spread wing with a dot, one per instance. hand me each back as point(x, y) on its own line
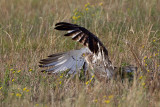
point(83, 36)
point(88, 39)
point(72, 61)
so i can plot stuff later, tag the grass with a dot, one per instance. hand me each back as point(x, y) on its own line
point(27, 35)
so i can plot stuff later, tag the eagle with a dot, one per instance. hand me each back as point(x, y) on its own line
point(93, 56)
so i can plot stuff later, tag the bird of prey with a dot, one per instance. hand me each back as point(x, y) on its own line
point(93, 55)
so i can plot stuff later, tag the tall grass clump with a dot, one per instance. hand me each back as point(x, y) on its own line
point(27, 34)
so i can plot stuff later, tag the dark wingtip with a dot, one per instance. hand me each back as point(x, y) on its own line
point(64, 23)
point(41, 62)
point(65, 26)
point(60, 23)
point(58, 54)
point(58, 28)
point(40, 65)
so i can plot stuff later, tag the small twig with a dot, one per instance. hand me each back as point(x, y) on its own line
point(9, 38)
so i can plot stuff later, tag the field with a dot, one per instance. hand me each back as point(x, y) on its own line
point(27, 35)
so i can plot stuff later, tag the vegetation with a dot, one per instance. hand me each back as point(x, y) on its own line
point(27, 35)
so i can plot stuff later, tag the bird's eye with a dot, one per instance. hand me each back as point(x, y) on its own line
point(83, 54)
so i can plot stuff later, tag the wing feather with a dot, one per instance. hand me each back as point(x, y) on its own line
point(72, 61)
point(85, 37)
point(72, 33)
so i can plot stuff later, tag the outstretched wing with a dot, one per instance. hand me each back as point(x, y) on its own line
point(88, 39)
point(83, 36)
point(72, 61)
